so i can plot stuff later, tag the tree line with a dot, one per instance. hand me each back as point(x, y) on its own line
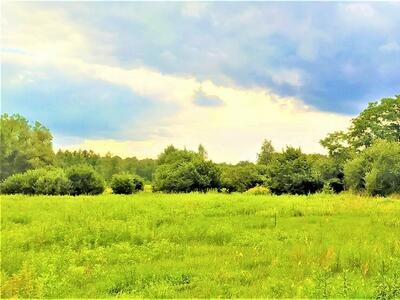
point(365, 158)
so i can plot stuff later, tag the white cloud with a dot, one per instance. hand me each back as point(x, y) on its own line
point(44, 33)
point(291, 76)
point(231, 132)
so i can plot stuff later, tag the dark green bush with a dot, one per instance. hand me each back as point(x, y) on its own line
point(13, 184)
point(53, 182)
point(126, 183)
point(22, 183)
point(292, 173)
point(85, 180)
point(185, 171)
point(138, 183)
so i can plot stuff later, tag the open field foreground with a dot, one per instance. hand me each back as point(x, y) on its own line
point(200, 245)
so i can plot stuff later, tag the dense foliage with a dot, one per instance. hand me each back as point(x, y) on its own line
point(107, 165)
point(126, 183)
point(23, 146)
point(363, 159)
point(44, 181)
point(77, 180)
point(22, 183)
point(85, 180)
point(53, 182)
point(376, 170)
point(240, 177)
point(379, 121)
point(185, 171)
point(291, 173)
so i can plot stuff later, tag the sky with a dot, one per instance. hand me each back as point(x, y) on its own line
point(134, 77)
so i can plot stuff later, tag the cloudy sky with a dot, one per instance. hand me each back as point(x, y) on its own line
point(135, 77)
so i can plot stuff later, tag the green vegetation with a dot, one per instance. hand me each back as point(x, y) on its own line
point(185, 171)
point(23, 146)
point(76, 180)
point(241, 177)
point(376, 170)
point(291, 173)
point(363, 159)
point(200, 245)
point(224, 244)
point(126, 183)
point(85, 180)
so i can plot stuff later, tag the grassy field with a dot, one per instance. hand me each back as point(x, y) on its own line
point(196, 245)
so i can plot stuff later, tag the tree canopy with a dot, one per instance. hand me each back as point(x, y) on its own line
point(379, 121)
point(185, 171)
point(365, 158)
point(23, 145)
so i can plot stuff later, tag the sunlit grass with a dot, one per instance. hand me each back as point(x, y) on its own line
point(200, 245)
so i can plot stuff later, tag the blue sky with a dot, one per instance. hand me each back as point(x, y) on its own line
point(134, 77)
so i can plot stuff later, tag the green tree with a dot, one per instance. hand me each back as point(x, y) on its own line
point(184, 171)
point(240, 177)
point(266, 154)
point(376, 170)
point(329, 170)
point(23, 146)
point(379, 121)
point(65, 159)
point(292, 173)
point(109, 165)
point(338, 146)
point(145, 168)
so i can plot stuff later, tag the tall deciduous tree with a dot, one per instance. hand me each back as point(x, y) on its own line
point(379, 121)
point(266, 154)
point(23, 146)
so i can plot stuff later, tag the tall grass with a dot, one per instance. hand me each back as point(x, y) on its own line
point(200, 245)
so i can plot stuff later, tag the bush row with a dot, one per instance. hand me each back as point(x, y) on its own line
point(76, 180)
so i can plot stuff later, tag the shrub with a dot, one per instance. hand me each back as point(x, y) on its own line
point(126, 183)
point(185, 171)
point(175, 177)
point(336, 185)
point(22, 183)
point(138, 183)
point(258, 190)
point(85, 180)
point(53, 182)
point(240, 177)
point(13, 184)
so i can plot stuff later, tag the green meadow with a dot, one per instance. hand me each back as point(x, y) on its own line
point(200, 245)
